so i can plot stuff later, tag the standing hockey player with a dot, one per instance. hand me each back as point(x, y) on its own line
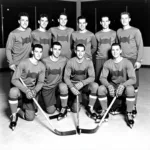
point(18, 45)
point(79, 76)
point(105, 38)
point(62, 34)
point(117, 79)
point(85, 37)
point(42, 36)
point(32, 72)
point(53, 81)
point(131, 42)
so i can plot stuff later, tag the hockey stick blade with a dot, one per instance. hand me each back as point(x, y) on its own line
point(65, 133)
point(53, 117)
point(89, 131)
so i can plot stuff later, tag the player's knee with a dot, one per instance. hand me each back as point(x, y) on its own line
point(63, 88)
point(14, 93)
point(102, 90)
point(51, 109)
point(130, 91)
point(94, 87)
point(29, 115)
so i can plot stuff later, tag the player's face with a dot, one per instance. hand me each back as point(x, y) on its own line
point(43, 22)
point(116, 51)
point(56, 50)
point(105, 22)
point(82, 24)
point(125, 19)
point(62, 20)
point(37, 53)
point(80, 52)
point(24, 22)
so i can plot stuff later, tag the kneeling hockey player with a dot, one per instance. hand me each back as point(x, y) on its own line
point(32, 72)
point(53, 84)
point(117, 78)
point(79, 76)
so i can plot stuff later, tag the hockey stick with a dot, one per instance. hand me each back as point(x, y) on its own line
point(52, 129)
point(80, 130)
point(110, 105)
point(89, 131)
point(77, 127)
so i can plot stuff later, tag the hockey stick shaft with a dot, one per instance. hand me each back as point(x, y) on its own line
point(35, 101)
point(110, 105)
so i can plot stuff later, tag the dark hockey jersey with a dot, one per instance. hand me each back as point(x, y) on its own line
point(32, 75)
point(43, 38)
point(118, 73)
point(54, 71)
point(18, 46)
point(131, 43)
point(75, 71)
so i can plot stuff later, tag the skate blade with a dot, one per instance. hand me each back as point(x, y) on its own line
point(12, 128)
point(61, 118)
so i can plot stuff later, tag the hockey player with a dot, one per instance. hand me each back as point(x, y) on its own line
point(32, 72)
point(79, 76)
point(62, 34)
point(42, 36)
point(117, 79)
point(85, 37)
point(131, 42)
point(18, 46)
point(54, 84)
point(105, 38)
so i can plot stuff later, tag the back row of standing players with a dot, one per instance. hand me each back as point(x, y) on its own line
point(18, 48)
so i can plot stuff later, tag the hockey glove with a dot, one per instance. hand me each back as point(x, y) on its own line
point(74, 91)
point(34, 93)
point(79, 85)
point(111, 90)
point(120, 90)
point(29, 94)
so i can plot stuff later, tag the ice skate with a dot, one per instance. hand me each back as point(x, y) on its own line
point(63, 113)
point(134, 112)
point(90, 112)
point(129, 119)
point(13, 123)
point(100, 116)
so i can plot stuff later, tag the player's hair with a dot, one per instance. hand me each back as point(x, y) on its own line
point(125, 13)
point(115, 44)
point(43, 15)
point(37, 46)
point(105, 16)
point(80, 45)
point(64, 14)
point(81, 17)
point(22, 14)
point(56, 43)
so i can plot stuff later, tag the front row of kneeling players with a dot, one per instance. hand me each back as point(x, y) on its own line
point(117, 78)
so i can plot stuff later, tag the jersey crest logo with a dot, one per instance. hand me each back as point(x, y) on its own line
point(81, 41)
point(54, 71)
point(63, 38)
point(44, 41)
point(125, 39)
point(105, 41)
point(26, 40)
point(32, 75)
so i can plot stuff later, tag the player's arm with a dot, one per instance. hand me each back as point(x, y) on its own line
point(17, 75)
point(67, 74)
point(91, 74)
point(139, 44)
point(94, 44)
point(104, 75)
point(131, 74)
point(40, 80)
point(9, 47)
